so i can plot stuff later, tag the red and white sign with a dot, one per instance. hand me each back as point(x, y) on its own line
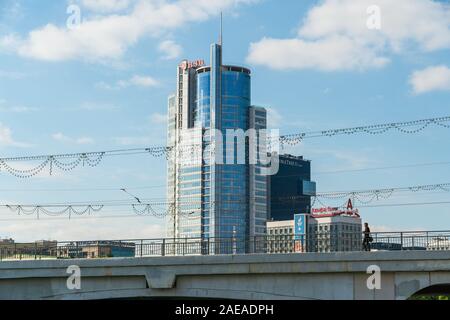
point(324, 210)
point(191, 64)
point(332, 212)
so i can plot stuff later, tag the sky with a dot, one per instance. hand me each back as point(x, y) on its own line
point(93, 75)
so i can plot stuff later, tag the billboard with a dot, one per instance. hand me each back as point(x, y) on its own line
point(299, 232)
point(299, 225)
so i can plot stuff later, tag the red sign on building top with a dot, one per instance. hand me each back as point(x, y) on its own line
point(192, 64)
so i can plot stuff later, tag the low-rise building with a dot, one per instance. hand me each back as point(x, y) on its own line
point(439, 243)
point(280, 236)
point(96, 249)
point(11, 249)
point(337, 230)
point(327, 230)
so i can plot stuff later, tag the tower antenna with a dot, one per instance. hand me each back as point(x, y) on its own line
point(221, 29)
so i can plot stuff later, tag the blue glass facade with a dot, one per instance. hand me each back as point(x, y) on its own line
point(231, 180)
point(222, 101)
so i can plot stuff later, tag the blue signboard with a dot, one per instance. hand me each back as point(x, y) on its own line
point(299, 226)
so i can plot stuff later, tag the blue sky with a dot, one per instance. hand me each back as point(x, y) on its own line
point(316, 65)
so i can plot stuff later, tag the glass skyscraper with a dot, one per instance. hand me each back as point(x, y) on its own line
point(211, 199)
point(291, 188)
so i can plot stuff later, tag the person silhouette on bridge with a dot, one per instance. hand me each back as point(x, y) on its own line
point(367, 238)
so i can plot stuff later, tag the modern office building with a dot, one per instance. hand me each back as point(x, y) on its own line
point(291, 188)
point(213, 199)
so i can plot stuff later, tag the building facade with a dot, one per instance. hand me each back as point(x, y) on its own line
point(291, 188)
point(211, 198)
point(96, 249)
point(280, 236)
point(328, 230)
point(334, 233)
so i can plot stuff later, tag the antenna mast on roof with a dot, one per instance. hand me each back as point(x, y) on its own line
point(221, 29)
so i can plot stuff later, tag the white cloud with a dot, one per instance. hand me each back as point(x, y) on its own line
point(7, 140)
point(11, 74)
point(63, 138)
point(130, 141)
point(331, 54)
point(95, 106)
point(435, 78)
point(9, 43)
point(5, 136)
point(139, 81)
point(14, 109)
point(105, 5)
point(158, 118)
point(136, 81)
point(274, 118)
point(334, 35)
point(170, 49)
point(17, 109)
point(109, 36)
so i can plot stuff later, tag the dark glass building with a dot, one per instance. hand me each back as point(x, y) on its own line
point(291, 188)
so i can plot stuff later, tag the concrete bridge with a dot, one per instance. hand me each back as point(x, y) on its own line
point(282, 276)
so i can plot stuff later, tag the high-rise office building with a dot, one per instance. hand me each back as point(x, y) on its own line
point(211, 199)
point(291, 188)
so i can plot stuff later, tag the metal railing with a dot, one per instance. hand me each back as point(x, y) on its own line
point(272, 244)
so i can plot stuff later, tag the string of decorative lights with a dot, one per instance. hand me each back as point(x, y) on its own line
point(93, 159)
point(365, 197)
point(128, 216)
point(294, 139)
point(69, 210)
point(79, 209)
point(369, 196)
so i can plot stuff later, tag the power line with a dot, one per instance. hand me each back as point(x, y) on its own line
point(429, 164)
point(126, 216)
point(366, 196)
point(405, 204)
point(429, 187)
point(148, 208)
point(83, 189)
point(377, 129)
point(445, 187)
point(93, 159)
point(104, 188)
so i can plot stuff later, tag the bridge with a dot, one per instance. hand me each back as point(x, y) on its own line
point(340, 275)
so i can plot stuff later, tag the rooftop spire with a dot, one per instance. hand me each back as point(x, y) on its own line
point(221, 29)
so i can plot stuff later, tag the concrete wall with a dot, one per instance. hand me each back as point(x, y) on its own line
point(287, 276)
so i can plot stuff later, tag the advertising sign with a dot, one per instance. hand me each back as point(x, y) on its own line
point(299, 232)
point(299, 225)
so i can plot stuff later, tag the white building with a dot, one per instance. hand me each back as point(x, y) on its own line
point(280, 236)
point(328, 230)
point(439, 243)
point(338, 231)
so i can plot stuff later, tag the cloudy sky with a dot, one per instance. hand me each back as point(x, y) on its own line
point(88, 75)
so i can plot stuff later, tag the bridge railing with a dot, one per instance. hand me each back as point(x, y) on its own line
point(273, 244)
